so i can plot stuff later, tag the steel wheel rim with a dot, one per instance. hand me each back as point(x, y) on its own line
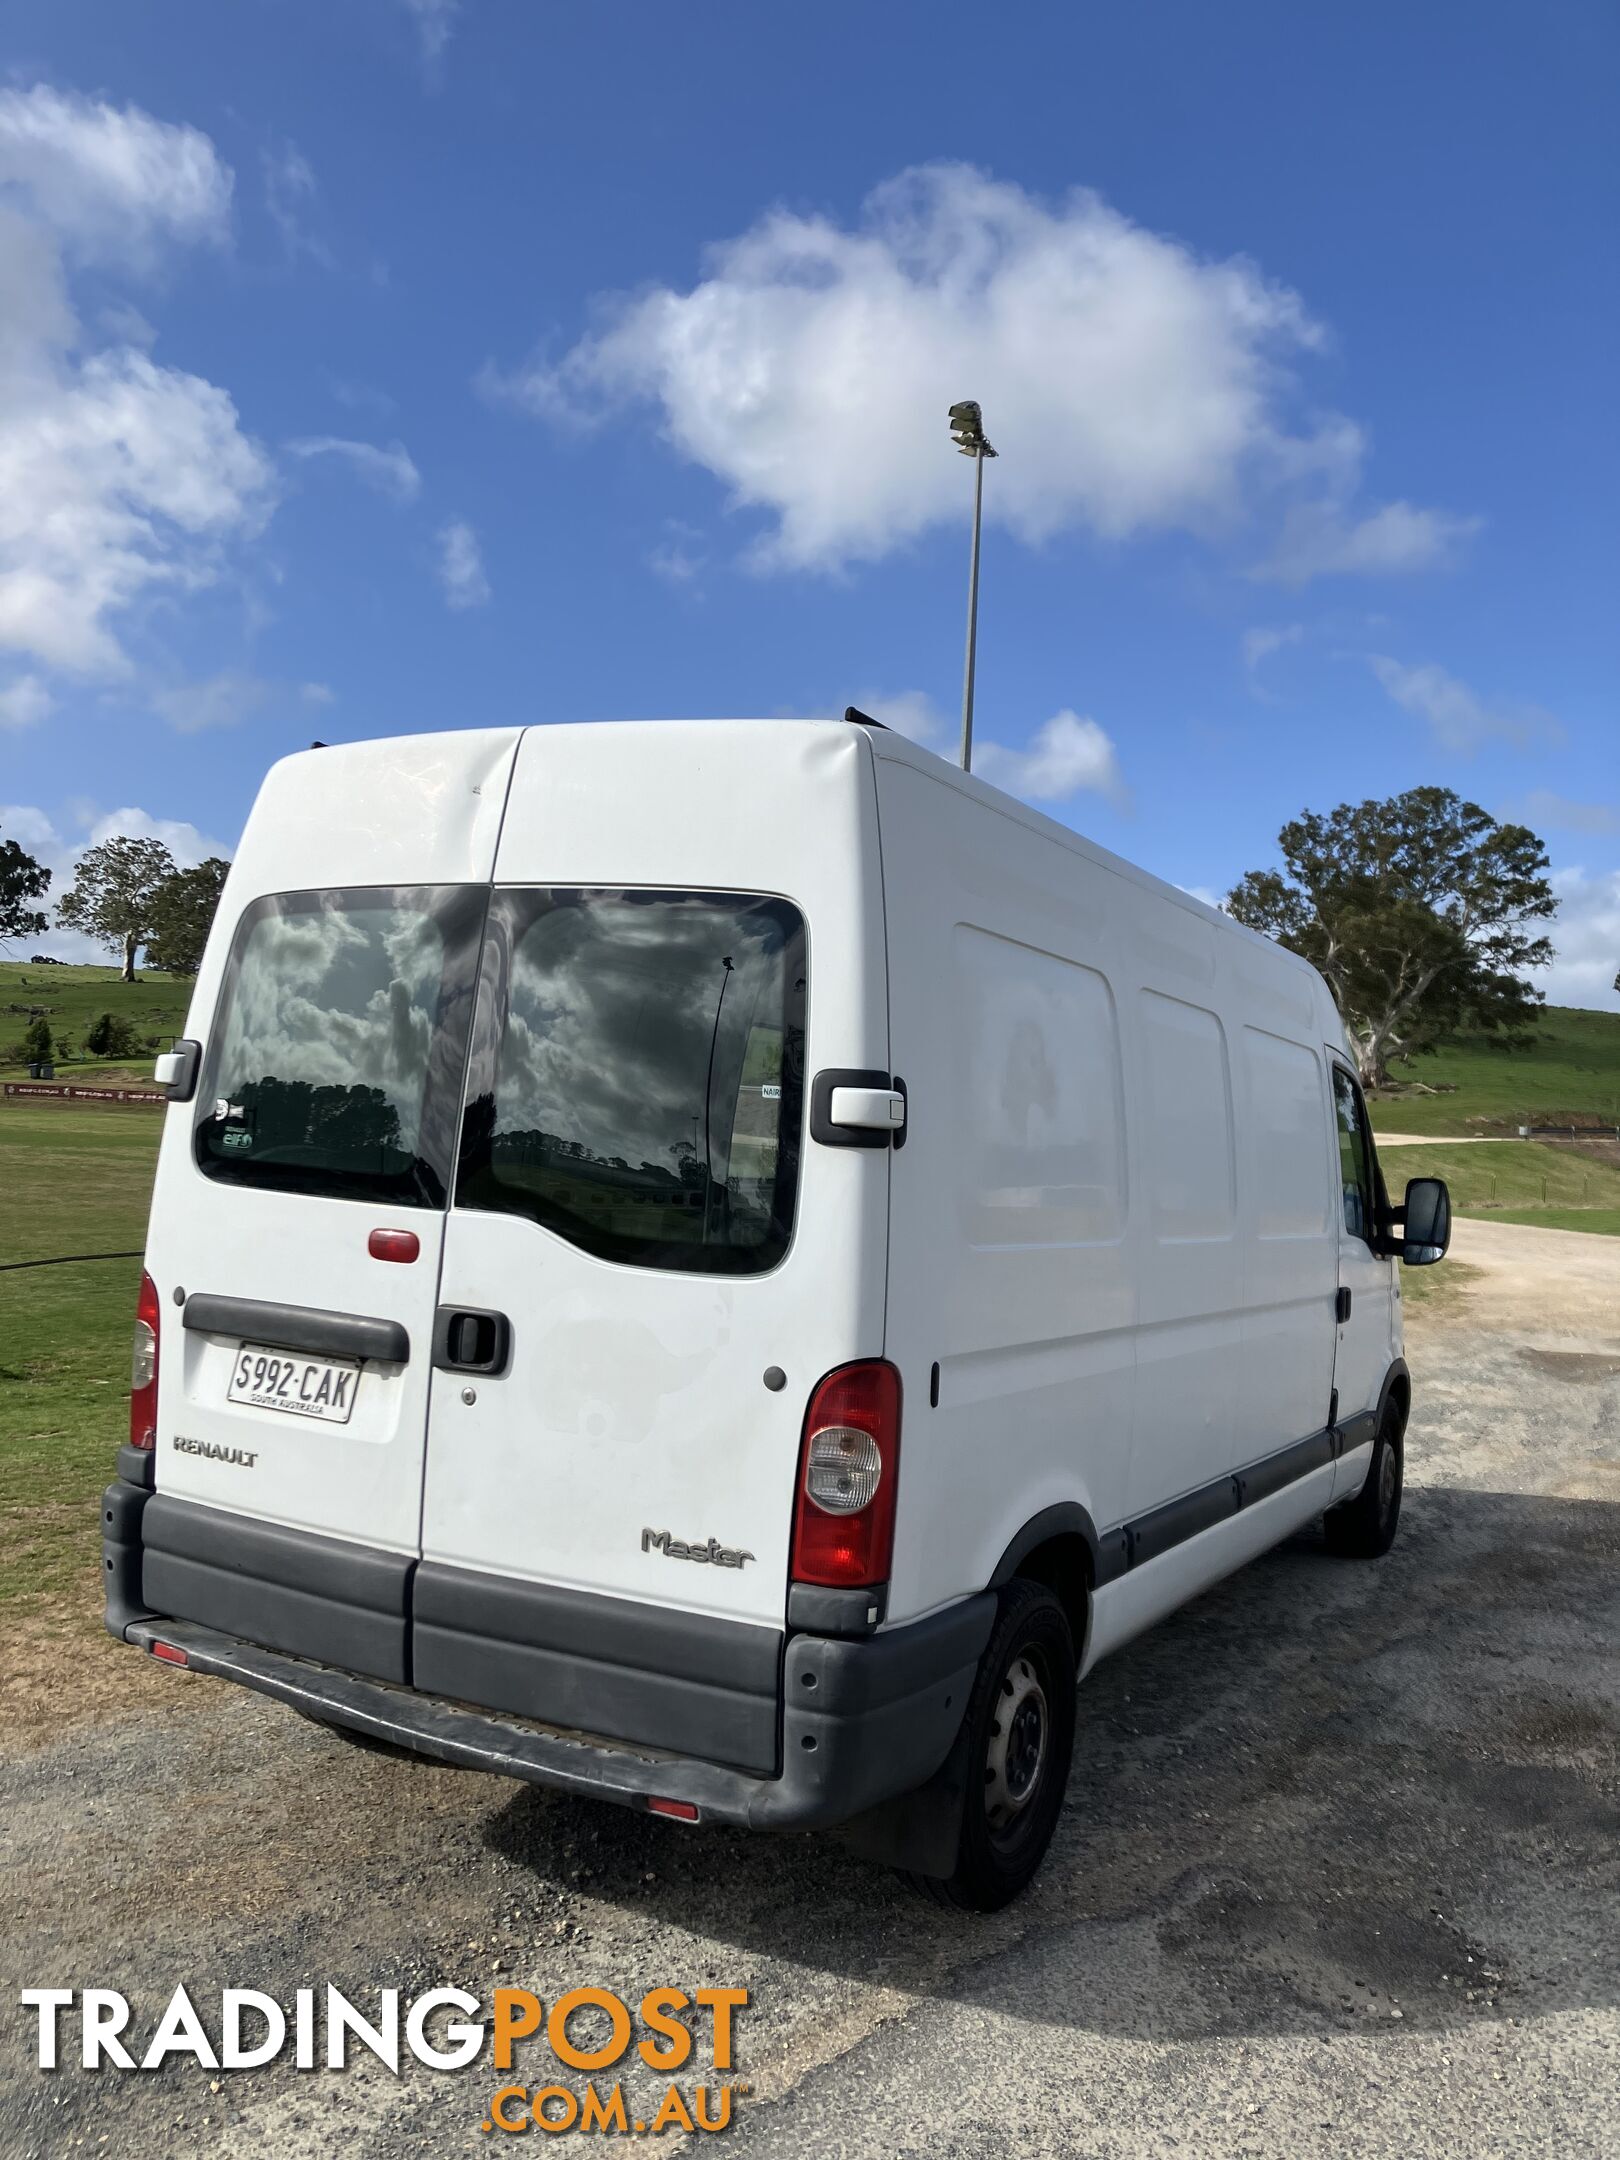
point(1015, 1760)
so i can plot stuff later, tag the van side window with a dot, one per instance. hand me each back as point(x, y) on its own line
point(637, 1074)
point(336, 1053)
point(1357, 1178)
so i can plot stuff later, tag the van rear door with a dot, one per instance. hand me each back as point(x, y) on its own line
point(649, 1264)
point(334, 1006)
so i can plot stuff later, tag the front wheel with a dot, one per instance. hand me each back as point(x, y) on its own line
point(1364, 1528)
point(1020, 1736)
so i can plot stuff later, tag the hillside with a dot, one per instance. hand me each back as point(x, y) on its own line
point(1522, 1181)
point(1571, 1071)
point(72, 998)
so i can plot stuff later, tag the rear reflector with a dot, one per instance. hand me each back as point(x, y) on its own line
point(393, 1245)
point(682, 1810)
point(170, 1653)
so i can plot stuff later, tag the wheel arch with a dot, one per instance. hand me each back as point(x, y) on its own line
point(1397, 1389)
point(1060, 1549)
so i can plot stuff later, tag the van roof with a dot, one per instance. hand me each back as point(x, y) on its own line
point(899, 749)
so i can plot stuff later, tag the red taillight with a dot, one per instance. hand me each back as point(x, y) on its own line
point(849, 1464)
point(393, 1245)
point(143, 1367)
point(681, 1810)
point(170, 1653)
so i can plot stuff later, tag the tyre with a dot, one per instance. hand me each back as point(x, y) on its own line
point(1364, 1528)
point(1019, 1727)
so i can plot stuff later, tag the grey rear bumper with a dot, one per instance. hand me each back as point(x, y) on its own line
point(853, 1722)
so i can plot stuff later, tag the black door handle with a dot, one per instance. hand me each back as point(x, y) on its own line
point(1341, 1305)
point(468, 1338)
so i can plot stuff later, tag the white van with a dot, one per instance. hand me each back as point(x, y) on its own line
point(722, 1265)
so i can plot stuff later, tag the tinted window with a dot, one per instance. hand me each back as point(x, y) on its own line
point(1357, 1178)
point(339, 1044)
point(638, 1074)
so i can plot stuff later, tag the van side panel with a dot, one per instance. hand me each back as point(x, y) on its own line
point(1012, 1196)
point(1112, 1222)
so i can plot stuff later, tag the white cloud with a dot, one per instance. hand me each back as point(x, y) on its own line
point(1067, 754)
point(184, 842)
point(40, 835)
point(461, 566)
point(1260, 644)
point(389, 468)
point(118, 477)
point(1586, 935)
point(24, 702)
point(230, 697)
point(221, 700)
point(679, 558)
point(1129, 384)
point(1460, 717)
point(1322, 540)
point(435, 19)
point(110, 181)
point(1542, 809)
point(289, 197)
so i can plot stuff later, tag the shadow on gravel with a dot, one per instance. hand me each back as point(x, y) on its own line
point(1282, 1800)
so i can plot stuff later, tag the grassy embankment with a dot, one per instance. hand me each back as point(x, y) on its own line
point(1570, 1075)
point(75, 1180)
point(72, 999)
point(1571, 1071)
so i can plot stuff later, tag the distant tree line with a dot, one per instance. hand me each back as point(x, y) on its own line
point(127, 893)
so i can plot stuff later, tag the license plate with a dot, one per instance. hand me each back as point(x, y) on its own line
point(321, 1388)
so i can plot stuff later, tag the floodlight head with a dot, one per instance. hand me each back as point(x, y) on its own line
point(967, 429)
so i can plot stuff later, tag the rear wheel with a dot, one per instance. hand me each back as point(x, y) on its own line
point(1020, 1737)
point(1364, 1528)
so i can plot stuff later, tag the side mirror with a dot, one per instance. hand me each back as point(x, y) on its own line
point(1425, 1221)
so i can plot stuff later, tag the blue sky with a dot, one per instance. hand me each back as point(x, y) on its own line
point(405, 364)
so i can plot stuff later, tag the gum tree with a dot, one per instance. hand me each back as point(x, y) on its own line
point(22, 881)
point(182, 910)
point(113, 891)
point(1421, 911)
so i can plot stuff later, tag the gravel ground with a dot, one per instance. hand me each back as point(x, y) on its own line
point(1338, 1872)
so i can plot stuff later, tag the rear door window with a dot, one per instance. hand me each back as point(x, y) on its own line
point(637, 1076)
point(339, 1045)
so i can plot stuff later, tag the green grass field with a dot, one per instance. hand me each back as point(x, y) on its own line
point(1573, 1069)
point(75, 1181)
point(1523, 1181)
point(71, 999)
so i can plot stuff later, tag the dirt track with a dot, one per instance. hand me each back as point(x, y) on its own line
point(1340, 1869)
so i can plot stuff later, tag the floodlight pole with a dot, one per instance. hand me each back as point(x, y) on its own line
point(973, 612)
